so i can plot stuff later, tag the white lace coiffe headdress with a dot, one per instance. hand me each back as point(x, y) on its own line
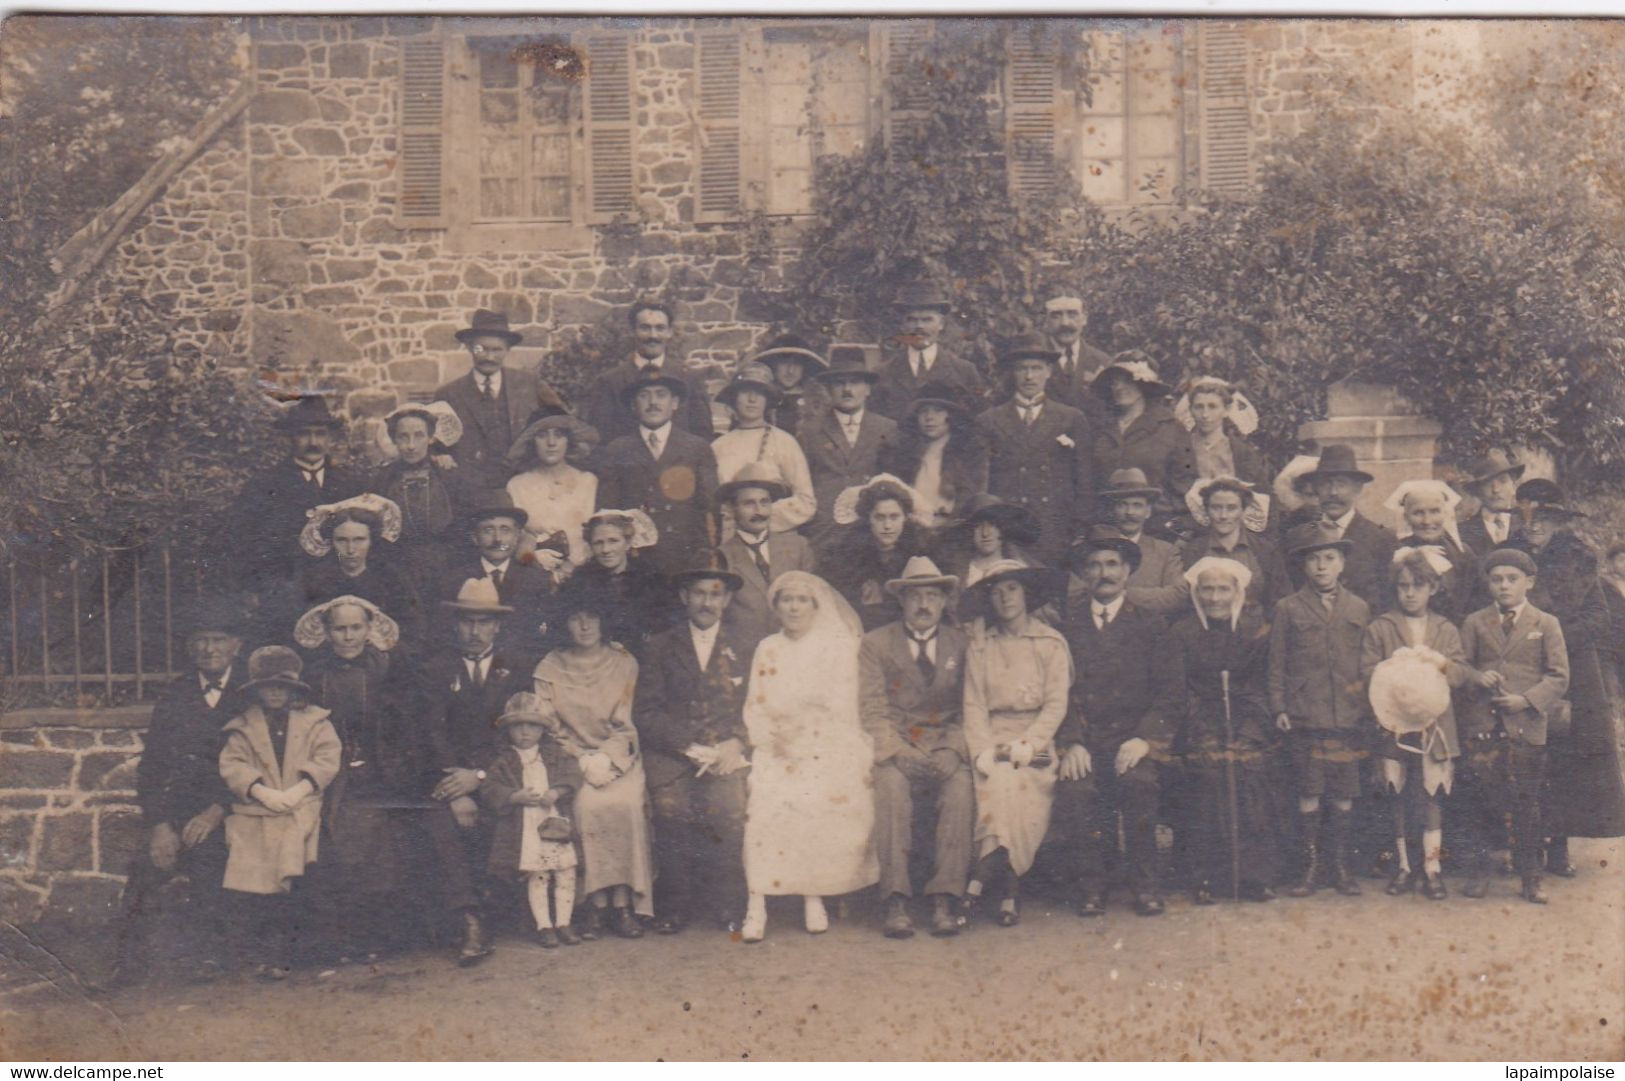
point(845, 509)
point(387, 511)
point(644, 533)
point(1396, 503)
point(1241, 413)
point(383, 633)
point(445, 427)
point(1230, 567)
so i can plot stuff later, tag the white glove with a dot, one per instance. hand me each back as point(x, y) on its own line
point(984, 762)
point(597, 769)
point(1021, 754)
point(1130, 753)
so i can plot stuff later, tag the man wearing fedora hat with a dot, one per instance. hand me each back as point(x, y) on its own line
point(1039, 449)
point(666, 472)
point(911, 678)
point(756, 551)
point(843, 446)
point(461, 691)
point(689, 709)
point(183, 800)
point(604, 406)
point(492, 400)
point(1111, 728)
point(1157, 584)
point(919, 358)
point(495, 526)
point(1337, 482)
point(1493, 481)
point(1079, 362)
point(263, 524)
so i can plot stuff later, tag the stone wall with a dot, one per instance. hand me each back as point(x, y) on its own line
point(1300, 65)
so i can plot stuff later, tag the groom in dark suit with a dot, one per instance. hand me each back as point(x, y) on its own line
point(911, 679)
point(689, 709)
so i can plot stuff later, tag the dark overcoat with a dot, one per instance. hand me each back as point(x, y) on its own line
point(1043, 466)
point(678, 492)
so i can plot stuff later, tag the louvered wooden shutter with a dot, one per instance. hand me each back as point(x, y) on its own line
point(607, 122)
point(421, 200)
point(905, 96)
point(1226, 133)
point(1032, 101)
point(719, 84)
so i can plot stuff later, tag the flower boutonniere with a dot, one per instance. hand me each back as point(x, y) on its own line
point(1065, 441)
point(729, 654)
point(737, 681)
point(499, 673)
point(952, 664)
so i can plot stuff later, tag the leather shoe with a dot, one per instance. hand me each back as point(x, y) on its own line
point(1203, 894)
point(1256, 891)
point(667, 925)
point(897, 924)
point(567, 935)
point(1531, 891)
point(1009, 913)
point(944, 921)
point(547, 938)
point(474, 948)
point(625, 922)
point(589, 922)
point(1563, 870)
point(1403, 882)
point(1433, 887)
point(1148, 904)
point(1476, 887)
point(1092, 903)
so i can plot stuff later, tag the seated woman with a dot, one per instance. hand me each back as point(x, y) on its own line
point(1018, 673)
point(1213, 695)
point(1218, 420)
point(810, 811)
point(351, 545)
point(644, 607)
point(875, 537)
point(584, 689)
point(939, 453)
point(1141, 432)
point(1221, 505)
point(750, 394)
point(428, 494)
point(549, 487)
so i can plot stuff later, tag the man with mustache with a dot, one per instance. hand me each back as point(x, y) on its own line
point(754, 552)
point(844, 445)
point(923, 311)
point(1337, 482)
point(652, 323)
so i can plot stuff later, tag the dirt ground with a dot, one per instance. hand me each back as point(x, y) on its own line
point(1323, 978)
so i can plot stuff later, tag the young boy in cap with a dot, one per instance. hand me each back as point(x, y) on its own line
point(1337, 482)
point(1317, 697)
point(668, 473)
point(1523, 665)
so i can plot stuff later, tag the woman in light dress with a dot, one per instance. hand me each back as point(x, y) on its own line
point(558, 497)
point(810, 812)
point(750, 395)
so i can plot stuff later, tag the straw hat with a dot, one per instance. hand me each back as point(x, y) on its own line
point(1408, 692)
point(478, 596)
point(921, 571)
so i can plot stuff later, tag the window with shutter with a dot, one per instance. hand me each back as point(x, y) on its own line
point(719, 78)
point(607, 125)
point(1130, 133)
point(526, 110)
point(1226, 135)
point(421, 192)
point(906, 97)
point(1032, 108)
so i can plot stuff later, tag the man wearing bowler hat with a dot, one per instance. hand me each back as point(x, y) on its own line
point(1039, 448)
point(1337, 481)
point(666, 472)
point(911, 681)
point(1493, 481)
point(652, 323)
point(922, 309)
point(844, 445)
point(755, 552)
point(689, 709)
point(493, 400)
point(1111, 728)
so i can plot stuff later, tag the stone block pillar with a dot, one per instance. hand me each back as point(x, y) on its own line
point(1390, 437)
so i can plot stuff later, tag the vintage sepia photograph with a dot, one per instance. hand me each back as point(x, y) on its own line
point(840, 537)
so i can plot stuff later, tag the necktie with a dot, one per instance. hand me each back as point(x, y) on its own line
point(476, 673)
point(1029, 413)
point(485, 389)
point(496, 577)
point(212, 690)
point(654, 443)
point(761, 559)
point(1103, 616)
point(923, 659)
point(1502, 526)
point(1508, 618)
point(313, 477)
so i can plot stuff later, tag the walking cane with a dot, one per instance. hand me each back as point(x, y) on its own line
point(1230, 790)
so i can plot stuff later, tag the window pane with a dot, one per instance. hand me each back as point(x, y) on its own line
point(1102, 137)
point(1105, 49)
point(1156, 136)
point(499, 156)
point(552, 196)
point(1103, 181)
point(787, 107)
point(1154, 180)
point(550, 155)
point(843, 139)
point(1151, 50)
point(499, 108)
point(498, 69)
point(550, 106)
point(790, 191)
point(1153, 91)
point(499, 198)
point(1107, 93)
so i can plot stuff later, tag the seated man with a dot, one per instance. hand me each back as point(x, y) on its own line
point(1109, 731)
point(689, 709)
point(183, 800)
point(911, 679)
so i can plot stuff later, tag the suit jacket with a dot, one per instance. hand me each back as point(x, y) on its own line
point(835, 465)
point(178, 773)
point(896, 704)
point(604, 410)
point(1158, 584)
point(676, 704)
point(505, 776)
point(1155, 443)
point(481, 454)
point(525, 587)
point(1534, 660)
point(895, 390)
point(678, 492)
point(749, 610)
point(1044, 466)
point(1314, 666)
point(1367, 569)
point(1386, 635)
point(1075, 388)
point(459, 720)
point(1118, 670)
point(1476, 535)
point(269, 513)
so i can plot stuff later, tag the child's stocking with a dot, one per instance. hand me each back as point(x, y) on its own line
point(564, 896)
point(536, 893)
point(1432, 842)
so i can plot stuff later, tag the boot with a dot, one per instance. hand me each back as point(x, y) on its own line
point(1557, 858)
point(1342, 881)
point(474, 948)
point(897, 924)
point(1531, 891)
point(1478, 876)
point(1309, 834)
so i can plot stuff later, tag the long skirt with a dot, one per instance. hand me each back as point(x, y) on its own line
point(615, 837)
point(1584, 796)
point(1013, 805)
point(809, 825)
point(1213, 834)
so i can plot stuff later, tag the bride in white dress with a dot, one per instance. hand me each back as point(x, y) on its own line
point(810, 814)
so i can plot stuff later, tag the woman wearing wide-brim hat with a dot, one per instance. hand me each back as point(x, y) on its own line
point(796, 366)
point(1142, 431)
point(552, 489)
point(939, 453)
point(1018, 672)
point(988, 532)
point(1584, 795)
point(750, 395)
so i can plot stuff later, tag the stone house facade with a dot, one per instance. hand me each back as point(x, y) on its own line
point(374, 180)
